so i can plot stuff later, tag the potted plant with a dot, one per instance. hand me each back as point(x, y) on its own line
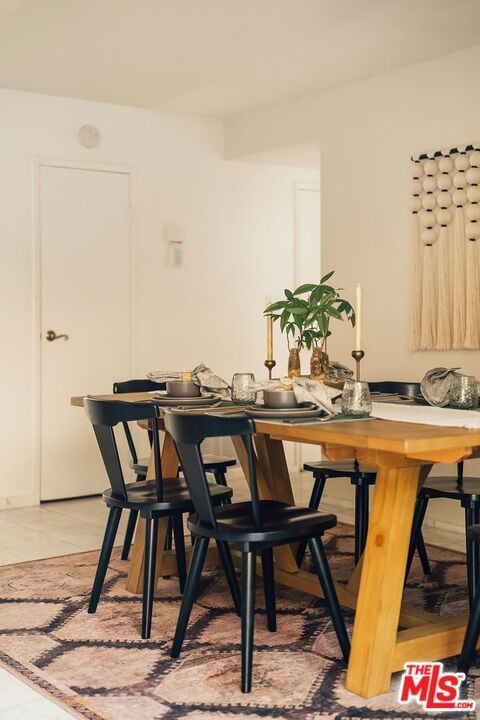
point(306, 322)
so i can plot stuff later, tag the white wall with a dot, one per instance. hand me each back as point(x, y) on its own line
point(367, 132)
point(239, 223)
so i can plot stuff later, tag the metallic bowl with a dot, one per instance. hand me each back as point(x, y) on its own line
point(279, 399)
point(177, 388)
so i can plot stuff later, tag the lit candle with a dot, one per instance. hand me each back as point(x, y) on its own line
point(358, 319)
point(269, 334)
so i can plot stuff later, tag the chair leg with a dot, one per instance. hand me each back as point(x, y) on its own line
point(269, 588)
point(423, 555)
point(473, 555)
point(198, 558)
point(104, 559)
point(229, 570)
point(168, 542)
point(418, 516)
point(314, 503)
point(471, 635)
point(360, 532)
point(366, 515)
point(220, 479)
point(177, 524)
point(127, 543)
point(248, 617)
point(330, 594)
point(151, 534)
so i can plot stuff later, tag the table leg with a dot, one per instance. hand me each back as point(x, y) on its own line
point(381, 584)
point(135, 573)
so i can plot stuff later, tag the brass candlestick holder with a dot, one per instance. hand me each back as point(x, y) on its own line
point(358, 355)
point(270, 364)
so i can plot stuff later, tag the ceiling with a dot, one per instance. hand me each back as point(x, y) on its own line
point(219, 57)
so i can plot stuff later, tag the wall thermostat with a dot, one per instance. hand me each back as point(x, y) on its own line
point(89, 136)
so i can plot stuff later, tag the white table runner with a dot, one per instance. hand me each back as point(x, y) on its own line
point(427, 415)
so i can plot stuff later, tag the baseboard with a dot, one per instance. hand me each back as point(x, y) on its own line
point(444, 526)
point(17, 501)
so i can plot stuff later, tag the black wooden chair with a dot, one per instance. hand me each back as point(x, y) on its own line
point(361, 477)
point(215, 464)
point(153, 499)
point(473, 628)
point(251, 527)
point(466, 491)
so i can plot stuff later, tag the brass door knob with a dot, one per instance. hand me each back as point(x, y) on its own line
point(51, 335)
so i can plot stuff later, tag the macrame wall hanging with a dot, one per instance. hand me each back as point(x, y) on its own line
point(445, 209)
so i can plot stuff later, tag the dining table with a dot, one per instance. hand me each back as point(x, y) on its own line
point(387, 632)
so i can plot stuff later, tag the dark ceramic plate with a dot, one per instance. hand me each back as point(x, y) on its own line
point(305, 410)
point(161, 398)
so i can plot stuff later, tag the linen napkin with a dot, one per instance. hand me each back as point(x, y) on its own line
point(436, 384)
point(202, 376)
point(337, 371)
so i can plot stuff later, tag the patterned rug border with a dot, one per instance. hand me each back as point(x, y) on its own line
point(70, 704)
point(73, 702)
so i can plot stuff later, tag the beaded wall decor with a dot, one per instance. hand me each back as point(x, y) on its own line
point(445, 206)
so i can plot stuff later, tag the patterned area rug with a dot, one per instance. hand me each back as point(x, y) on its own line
point(99, 668)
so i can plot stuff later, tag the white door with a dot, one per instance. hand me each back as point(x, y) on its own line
point(85, 285)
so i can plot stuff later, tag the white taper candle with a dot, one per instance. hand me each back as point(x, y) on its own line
point(269, 334)
point(358, 318)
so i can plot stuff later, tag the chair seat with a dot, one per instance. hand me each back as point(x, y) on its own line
point(280, 523)
point(211, 462)
point(142, 495)
point(449, 487)
point(341, 468)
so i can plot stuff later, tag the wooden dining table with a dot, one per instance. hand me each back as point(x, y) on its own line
point(386, 633)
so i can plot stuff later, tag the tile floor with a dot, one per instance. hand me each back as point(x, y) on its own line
point(72, 526)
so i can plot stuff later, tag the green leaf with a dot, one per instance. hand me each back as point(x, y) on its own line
point(275, 306)
point(284, 319)
point(321, 290)
point(327, 277)
point(297, 310)
point(304, 288)
point(288, 294)
point(333, 312)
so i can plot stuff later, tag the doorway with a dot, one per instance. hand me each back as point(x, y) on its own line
point(307, 269)
point(84, 313)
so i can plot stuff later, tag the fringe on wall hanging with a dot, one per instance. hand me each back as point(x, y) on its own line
point(445, 206)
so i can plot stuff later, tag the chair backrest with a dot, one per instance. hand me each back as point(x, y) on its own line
point(104, 416)
point(142, 385)
point(188, 432)
point(409, 389)
point(131, 386)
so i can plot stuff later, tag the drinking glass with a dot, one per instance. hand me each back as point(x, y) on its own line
point(242, 388)
point(464, 392)
point(356, 398)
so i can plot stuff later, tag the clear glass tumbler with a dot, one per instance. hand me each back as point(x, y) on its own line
point(242, 388)
point(356, 399)
point(464, 392)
